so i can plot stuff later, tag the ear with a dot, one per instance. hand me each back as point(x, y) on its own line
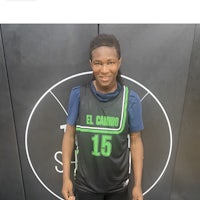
point(119, 62)
point(90, 63)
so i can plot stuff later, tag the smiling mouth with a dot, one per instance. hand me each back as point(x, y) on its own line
point(104, 78)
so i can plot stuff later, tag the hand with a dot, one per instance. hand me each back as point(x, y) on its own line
point(137, 193)
point(67, 190)
point(71, 198)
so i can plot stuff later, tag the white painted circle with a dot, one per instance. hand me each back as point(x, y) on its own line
point(86, 73)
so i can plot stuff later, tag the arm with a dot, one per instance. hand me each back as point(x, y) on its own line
point(67, 149)
point(68, 142)
point(137, 159)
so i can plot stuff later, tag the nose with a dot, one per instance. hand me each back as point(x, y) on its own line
point(104, 68)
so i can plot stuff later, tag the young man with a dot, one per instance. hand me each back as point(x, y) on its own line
point(102, 115)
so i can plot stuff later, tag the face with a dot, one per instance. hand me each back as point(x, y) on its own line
point(105, 65)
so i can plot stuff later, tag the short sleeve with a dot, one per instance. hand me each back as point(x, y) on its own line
point(73, 106)
point(135, 112)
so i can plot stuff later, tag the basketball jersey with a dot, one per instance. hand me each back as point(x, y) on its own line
point(102, 139)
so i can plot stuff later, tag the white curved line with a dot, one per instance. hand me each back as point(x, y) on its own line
point(28, 123)
point(59, 102)
point(86, 73)
point(144, 97)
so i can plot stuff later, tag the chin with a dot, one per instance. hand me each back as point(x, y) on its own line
point(104, 85)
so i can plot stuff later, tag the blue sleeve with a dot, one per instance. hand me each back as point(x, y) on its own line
point(73, 106)
point(135, 113)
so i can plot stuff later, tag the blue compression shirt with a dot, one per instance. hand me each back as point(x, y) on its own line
point(134, 106)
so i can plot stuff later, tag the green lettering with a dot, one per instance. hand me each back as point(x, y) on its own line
point(104, 148)
point(107, 121)
point(95, 140)
point(89, 120)
point(98, 123)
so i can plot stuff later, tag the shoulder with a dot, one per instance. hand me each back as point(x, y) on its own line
point(75, 91)
point(74, 95)
point(133, 97)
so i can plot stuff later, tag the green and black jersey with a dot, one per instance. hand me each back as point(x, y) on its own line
point(102, 138)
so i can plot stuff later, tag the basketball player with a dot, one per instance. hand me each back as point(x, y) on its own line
point(103, 115)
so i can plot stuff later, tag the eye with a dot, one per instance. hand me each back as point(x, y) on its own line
point(96, 63)
point(110, 63)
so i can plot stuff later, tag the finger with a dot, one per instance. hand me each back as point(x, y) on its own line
point(65, 195)
point(138, 198)
point(71, 198)
point(70, 194)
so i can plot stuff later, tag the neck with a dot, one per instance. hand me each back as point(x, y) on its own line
point(106, 89)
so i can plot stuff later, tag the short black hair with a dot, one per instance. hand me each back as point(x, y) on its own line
point(108, 40)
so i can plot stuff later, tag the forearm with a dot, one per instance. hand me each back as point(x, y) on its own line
point(67, 149)
point(137, 154)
